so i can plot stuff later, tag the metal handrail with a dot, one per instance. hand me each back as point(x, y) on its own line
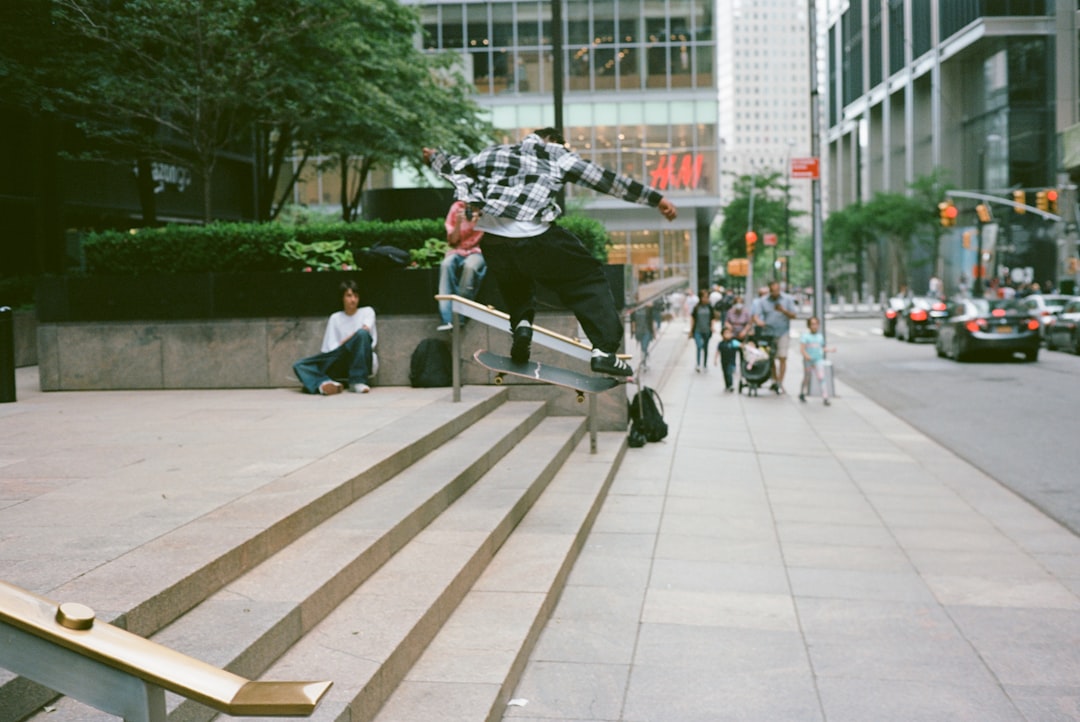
point(69, 629)
point(662, 289)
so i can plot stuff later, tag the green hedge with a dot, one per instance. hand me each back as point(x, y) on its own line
point(241, 247)
point(17, 292)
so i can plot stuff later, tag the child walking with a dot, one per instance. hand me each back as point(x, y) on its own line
point(812, 345)
point(727, 354)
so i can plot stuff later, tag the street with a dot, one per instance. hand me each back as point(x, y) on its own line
point(1016, 421)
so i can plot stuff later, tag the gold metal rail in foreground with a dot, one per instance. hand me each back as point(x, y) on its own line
point(72, 626)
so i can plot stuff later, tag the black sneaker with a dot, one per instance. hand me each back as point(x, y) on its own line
point(521, 347)
point(611, 365)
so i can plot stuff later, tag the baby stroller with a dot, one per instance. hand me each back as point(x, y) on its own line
point(756, 363)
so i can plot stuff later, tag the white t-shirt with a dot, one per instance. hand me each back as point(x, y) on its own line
point(342, 326)
point(509, 228)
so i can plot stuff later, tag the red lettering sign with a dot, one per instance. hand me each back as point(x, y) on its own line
point(805, 168)
point(675, 172)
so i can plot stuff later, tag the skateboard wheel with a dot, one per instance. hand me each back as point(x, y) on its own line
point(580, 398)
point(498, 379)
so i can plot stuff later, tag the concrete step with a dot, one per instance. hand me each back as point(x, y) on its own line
point(368, 644)
point(473, 665)
point(423, 596)
point(161, 580)
point(251, 622)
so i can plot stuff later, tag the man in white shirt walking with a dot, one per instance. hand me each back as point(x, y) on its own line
point(348, 349)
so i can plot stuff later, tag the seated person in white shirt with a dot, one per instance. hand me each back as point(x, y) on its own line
point(348, 349)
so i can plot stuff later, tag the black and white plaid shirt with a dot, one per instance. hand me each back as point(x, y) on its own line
point(520, 181)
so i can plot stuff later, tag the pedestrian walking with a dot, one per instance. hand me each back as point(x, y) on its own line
point(727, 354)
point(701, 319)
point(774, 312)
point(812, 347)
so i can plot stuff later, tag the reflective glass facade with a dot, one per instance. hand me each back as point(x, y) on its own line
point(640, 97)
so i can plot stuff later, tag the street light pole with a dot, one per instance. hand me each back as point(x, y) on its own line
point(787, 221)
point(815, 184)
point(750, 292)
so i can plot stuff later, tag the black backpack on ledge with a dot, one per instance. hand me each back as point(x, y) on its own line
point(646, 418)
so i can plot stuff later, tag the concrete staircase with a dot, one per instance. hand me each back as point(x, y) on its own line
point(414, 569)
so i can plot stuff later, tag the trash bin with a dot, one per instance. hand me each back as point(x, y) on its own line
point(827, 380)
point(7, 354)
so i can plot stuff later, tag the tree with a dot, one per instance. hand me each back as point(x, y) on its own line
point(381, 100)
point(771, 214)
point(848, 237)
point(188, 81)
point(890, 231)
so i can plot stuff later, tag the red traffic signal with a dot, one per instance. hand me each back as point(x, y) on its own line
point(1052, 199)
point(751, 239)
point(948, 213)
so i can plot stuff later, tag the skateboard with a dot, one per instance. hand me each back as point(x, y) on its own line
point(546, 373)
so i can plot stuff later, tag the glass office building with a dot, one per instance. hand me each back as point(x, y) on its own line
point(640, 97)
point(970, 88)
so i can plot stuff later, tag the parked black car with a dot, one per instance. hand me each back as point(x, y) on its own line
point(920, 317)
point(888, 320)
point(1063, 330)
point(978, 326)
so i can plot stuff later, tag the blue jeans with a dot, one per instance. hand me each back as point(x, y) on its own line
point(461, 276)
point(701, 357)
point(351, 361)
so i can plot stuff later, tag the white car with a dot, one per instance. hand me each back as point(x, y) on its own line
point(1045, 306)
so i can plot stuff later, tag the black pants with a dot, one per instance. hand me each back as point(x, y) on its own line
point(558, 260)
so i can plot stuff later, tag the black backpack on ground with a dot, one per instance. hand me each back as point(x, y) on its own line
point(431, 365)
point(384, 256)
point(647, 417)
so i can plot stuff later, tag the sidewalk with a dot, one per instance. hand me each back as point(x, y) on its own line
point(775, 561)
point(769, 561)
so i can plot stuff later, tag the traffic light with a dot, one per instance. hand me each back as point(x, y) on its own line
point(1020, 197)
point(947, 211)
point(967, 239)
point(1051, 200)
point(1040, 201)
point(983, 212)
point(751, 240)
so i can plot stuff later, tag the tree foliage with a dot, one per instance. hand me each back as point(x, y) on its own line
point(187, 81)
point(771, 214)
point(888, 231)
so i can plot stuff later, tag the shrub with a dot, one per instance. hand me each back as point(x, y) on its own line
point(591, 232)
point(17, 292)
point(240, 247)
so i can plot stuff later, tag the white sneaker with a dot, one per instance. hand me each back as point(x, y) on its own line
point(360, 388)
point(445, 327)
point(329, 388)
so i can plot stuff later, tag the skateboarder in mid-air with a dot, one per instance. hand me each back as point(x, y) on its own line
point(511, 189)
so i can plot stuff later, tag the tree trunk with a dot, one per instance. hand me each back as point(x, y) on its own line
point(144, 180)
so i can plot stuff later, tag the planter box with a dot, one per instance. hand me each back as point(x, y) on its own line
point(25, 339)
point(253, 295)
point(259, 353)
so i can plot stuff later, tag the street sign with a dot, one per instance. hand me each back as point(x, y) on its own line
point(769, 239)
point(786, 252)
point(805, 168)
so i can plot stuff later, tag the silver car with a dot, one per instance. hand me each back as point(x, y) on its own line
point(1045, 306)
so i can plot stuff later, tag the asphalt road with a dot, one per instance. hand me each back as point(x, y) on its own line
point(1018, 422)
